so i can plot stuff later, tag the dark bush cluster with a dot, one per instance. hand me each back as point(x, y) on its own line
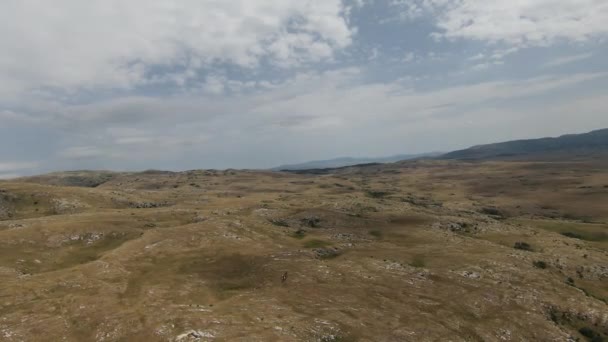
point(572, 235)
point(299, 234)
point(591, 334)
point(377, 194)
point(418, 262)
point(375, 233)
point(524, 246)
point(280, 223)
point(312, 222)
point(491, 211)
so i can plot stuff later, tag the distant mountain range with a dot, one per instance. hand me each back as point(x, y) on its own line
point(348, 161)
point(572, 144)
point(566, 146)
point(592, 142)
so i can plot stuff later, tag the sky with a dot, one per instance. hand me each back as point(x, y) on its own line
point(191, 84)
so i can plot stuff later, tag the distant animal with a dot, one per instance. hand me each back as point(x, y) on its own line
point(284, 278)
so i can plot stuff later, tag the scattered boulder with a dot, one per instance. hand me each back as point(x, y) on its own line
point(493, 212)
point(470, 274)
point(148, 205)
point(6, 200)
point(67, 206)
point(16, 226)
point(199, 219)
point(457, 227)
point(194, 335)
point(326, 253)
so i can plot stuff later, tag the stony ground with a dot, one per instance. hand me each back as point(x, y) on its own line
point(416, 251)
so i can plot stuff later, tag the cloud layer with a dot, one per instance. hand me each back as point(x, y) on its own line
point(256, 83)
point(70, 44)
point(517, 22)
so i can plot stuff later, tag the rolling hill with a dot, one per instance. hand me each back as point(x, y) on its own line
point(586, 143)
point(425, 250)
point(348, 161)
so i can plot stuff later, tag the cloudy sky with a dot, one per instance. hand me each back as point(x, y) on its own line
point(167, 84)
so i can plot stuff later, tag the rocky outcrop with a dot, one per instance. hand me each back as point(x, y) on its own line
point(6, 205)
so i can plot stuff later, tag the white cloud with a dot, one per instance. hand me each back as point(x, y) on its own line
point(374, 54)
point(328, 97)
point(235, 80)
point(9, 115)
point(409, 57)
point(517, 22)
point(105, 141)
point(310, 107)
point(477, 57)
point(567, 60)
point(71, 44)
point(6, 167)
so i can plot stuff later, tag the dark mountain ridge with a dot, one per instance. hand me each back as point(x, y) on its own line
point(592, 142)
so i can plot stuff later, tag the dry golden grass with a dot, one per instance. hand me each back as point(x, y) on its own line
point(414, 251)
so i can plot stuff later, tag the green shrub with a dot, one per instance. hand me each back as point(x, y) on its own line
point(418, 262)
point(299, 234)
point(375, 233)
point(279, 223)
point(377, 194)
point(572, 235)
point(312, 222)
point(524, 246)
point(591, 334)
point(316, 243)
point(491, 211)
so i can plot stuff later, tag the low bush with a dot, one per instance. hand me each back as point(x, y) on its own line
point(279, 223)
point(418, 262)
point(315, 243)
point(299, 234)
point(591, 334)
point(375, 233)
point(491, 211)
point(377, 194)
point(524, 246)
point(312, 222)
point(572, 235)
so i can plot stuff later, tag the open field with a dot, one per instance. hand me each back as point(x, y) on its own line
point(413, 251)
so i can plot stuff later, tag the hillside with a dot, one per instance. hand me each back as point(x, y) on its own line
point(592, 142)
point(85, 178)
point(426, 250)
point(349, 161)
